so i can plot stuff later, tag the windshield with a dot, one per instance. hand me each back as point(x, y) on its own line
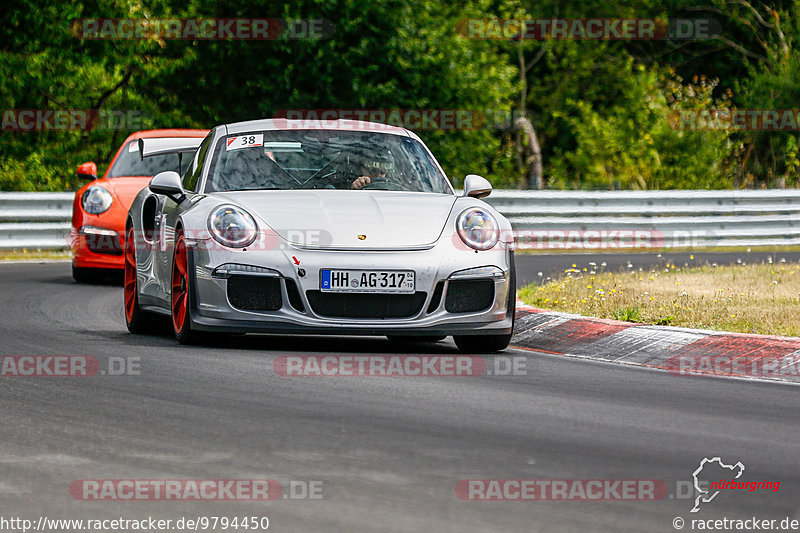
point(317, 159)
point(128, 163)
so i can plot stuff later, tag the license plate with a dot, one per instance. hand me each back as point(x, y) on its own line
point(366, 281)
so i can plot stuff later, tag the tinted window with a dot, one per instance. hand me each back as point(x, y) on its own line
point(190, 179)
point(130, 164)
point(322, 160)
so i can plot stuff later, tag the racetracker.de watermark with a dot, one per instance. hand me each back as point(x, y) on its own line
point(26, 120)
point(68, 366)
point(589, 29)
point(758, 365)
point(735, 119)
point(412, 119)
point(289, 240)
point(594, 239)
point(246, 29)
point(531, 490)
point(196, 490)
point(389, 366)
point(143, 523)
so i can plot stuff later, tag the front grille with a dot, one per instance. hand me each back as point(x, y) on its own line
point(104, 244)
point(251, 293)
point(344, 305)
point(469, 296)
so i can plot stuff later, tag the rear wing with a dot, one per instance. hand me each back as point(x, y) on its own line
point(168, 145)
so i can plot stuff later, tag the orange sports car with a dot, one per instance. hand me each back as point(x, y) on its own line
point(101, 206)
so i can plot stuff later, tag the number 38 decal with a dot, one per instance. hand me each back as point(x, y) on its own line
point(245, 141)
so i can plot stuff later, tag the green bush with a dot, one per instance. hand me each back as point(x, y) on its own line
point(637, 143)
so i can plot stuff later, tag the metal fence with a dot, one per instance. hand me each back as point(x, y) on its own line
point(542, 219)
point(35, 219)
point(651, 219)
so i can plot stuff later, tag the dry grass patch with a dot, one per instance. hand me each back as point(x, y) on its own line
point(34, 255)
point(759, 298)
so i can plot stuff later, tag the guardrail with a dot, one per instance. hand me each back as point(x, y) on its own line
point(35, 219)
point(610, 220)
point(541, 219)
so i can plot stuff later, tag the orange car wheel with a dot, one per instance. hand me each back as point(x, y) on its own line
point(138, 321)
point(181, 294)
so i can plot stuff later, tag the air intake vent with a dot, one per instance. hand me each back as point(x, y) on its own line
point(343, 305)
point(469, 296)
point(104, 244)
point(251, 293)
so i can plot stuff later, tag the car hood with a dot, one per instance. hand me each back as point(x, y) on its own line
point(350, 219)
point(125, 189)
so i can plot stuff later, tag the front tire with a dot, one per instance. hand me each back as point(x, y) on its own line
point(482, 343)
point(136, 320)
point(181, 294)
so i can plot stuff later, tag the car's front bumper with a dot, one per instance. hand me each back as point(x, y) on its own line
point(212, 309)
point(97, 250)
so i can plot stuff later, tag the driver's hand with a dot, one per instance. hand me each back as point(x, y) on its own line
point(360, 182)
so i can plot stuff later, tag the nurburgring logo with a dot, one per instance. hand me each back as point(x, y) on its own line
point(714, 488)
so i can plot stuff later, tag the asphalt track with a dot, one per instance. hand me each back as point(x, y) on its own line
point(389, 451)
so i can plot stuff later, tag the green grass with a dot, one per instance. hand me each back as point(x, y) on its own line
point(759, 298)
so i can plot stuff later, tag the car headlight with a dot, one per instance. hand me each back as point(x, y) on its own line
point(96, 200)
point(232, 227)
point(477, 228)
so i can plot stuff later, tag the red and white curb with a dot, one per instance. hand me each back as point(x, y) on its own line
point(681, 351)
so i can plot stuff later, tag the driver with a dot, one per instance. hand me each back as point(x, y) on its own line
point(370, 171)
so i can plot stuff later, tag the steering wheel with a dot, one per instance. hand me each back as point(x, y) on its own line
point(325, 181)
point(383, 180)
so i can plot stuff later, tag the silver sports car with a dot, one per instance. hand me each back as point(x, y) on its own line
point(298, 227)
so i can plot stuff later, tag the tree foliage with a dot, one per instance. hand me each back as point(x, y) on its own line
point(602, 109)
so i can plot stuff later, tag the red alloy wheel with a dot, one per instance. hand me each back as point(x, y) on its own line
point(130, 277)
point(180, 286)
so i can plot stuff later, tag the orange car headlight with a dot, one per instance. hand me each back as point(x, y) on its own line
point(96, 200)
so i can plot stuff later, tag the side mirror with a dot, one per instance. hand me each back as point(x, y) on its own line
point(169, 184)
point(477, 186)
point(87, 171)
